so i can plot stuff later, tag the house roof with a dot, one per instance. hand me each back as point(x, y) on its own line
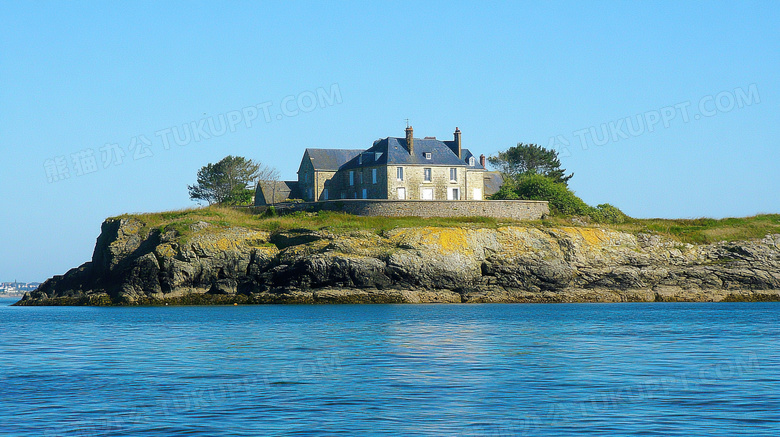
point(493, 182)
point(393, 151)
point(330, 159)
point(285, 190)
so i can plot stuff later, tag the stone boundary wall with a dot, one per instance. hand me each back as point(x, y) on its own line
point(501, 209)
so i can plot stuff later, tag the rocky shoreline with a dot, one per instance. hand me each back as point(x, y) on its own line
point(135, 265)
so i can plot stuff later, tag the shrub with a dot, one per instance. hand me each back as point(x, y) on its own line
point(562, 200)
point(270, 212)
point(606, 213)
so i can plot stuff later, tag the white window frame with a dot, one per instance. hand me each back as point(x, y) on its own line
point(472, 161)
point(351, 178)
point(453, 171)
point(400, 193)
point(453, 193)
point(476, 193)
point(373, 175)
point(399, 173)
point(427, 174)
point(427, 155)
point(423, 190)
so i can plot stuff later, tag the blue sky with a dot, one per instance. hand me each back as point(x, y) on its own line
point(664, 109)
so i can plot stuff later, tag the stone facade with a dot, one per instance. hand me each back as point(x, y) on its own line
point(500, 209)
point(431, 169)
point(393, 169)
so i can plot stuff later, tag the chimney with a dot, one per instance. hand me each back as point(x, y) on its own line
point(457, 143)
point(482, 160)
point(409, 140)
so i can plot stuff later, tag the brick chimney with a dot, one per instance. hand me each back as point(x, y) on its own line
point(457, 143)
point(410, 140)
point(482, 160)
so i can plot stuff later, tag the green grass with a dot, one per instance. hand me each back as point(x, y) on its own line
point(697, 231)
point(224, 217)
point(706, 230)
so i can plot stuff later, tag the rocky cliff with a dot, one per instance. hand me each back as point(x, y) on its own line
point(133, 265)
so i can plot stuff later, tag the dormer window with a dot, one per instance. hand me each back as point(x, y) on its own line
point(427, 155)
point(360, 159)
point(472, 161)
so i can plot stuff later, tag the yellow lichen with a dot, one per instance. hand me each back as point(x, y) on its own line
point(592, 236)
point(165, 250)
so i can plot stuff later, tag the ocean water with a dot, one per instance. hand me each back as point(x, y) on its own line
point(411, 370)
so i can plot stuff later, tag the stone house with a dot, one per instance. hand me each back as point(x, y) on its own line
point(393, 169)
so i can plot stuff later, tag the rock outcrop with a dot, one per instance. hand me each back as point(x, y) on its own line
point(133, 265)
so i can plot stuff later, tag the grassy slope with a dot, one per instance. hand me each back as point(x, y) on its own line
point(698, 231)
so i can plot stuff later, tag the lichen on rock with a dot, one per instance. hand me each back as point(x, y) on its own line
point(135, 264)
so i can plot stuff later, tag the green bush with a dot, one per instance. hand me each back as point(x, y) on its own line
point(606, 213)
point(270, 212)
point(562, 201)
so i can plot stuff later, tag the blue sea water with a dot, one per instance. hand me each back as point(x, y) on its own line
point(429, 370)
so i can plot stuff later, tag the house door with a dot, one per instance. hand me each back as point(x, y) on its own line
point(426, 194)
point(453, 194)
point(402, 193)
point(477, 194)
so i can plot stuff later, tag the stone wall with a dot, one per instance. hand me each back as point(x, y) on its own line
point(414, 181)
point(503, 209)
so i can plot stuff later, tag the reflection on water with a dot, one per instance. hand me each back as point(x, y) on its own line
point(612, 369)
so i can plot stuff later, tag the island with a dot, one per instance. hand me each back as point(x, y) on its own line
point(221, 255)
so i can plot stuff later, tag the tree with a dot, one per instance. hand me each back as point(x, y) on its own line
point(226, 182)
point(526, 159)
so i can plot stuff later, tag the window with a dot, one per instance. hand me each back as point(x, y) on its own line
point(477, 194)
point(453, 194)
point(399, 173)
point(351, 177)
point(426, 194)
point(365, 193)
point(325, 194)
point(360, 177)
point(471, 161)
point(343, 195)
point(427, 155)
point(373, 175)
point(401, 193)
point(306, 177)
point(453, 175)
point(427, 174)
point(360, 159)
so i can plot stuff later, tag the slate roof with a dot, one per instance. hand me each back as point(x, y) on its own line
point(493, 182)
point(285, 190)
point(330, 159)
point(466, 153)
point(393, 151)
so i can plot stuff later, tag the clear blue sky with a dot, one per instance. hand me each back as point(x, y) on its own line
point(687, 94)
